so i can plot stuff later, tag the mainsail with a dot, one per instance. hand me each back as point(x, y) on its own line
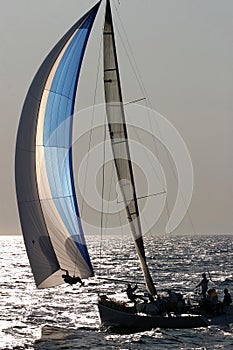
point(119, 142)
point(46, 196)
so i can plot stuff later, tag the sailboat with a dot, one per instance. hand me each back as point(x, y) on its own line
point(44, 173)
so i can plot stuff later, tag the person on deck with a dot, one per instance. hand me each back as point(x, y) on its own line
point(130, 293)
point(71, 280)
point(204, 285)
point(227, 298)
point(163, 305)
point(172, 299)
point(211, 302)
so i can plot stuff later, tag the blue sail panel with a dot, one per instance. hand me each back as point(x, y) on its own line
point(59, 115)
point(60, 104)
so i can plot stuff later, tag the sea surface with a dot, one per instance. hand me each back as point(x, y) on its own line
point(66, 317)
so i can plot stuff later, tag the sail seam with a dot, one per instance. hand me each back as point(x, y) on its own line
point(45, 199)
point(110, 70)
point(116, 142)
point(149, 195)
point(55, 147)
point(60, 94)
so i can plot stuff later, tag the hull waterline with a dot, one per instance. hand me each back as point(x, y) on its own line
point(128, 321)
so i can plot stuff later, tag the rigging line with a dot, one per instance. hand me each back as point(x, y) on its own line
point(140, 81)
point(119, 280)
point(133, 68)
point(102, 198)
point(181, 192)
point(155, 170)
point(190, 256)
point(137, 74)
point(101, 218)
point(121, 224)
point(110, 186)
point(144, 218)
point(168, 215)
point(174, 174)
point(118, 202)
point(133, 60)
point(114, 175)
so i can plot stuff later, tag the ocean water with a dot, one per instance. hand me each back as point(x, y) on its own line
point(66, 317)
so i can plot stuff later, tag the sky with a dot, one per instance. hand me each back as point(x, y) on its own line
point(184, 53)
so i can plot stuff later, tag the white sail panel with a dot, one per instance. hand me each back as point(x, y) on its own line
point(119, 142)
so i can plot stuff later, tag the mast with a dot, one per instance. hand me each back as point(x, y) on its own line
point(119, 142)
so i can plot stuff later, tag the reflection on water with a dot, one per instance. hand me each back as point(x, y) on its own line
point(66, 317)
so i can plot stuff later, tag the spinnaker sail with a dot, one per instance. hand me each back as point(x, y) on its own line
point(45, 190)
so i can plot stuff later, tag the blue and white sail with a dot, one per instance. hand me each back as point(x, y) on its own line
point(45, 189)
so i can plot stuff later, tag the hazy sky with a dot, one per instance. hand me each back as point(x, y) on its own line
point(184, 51)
